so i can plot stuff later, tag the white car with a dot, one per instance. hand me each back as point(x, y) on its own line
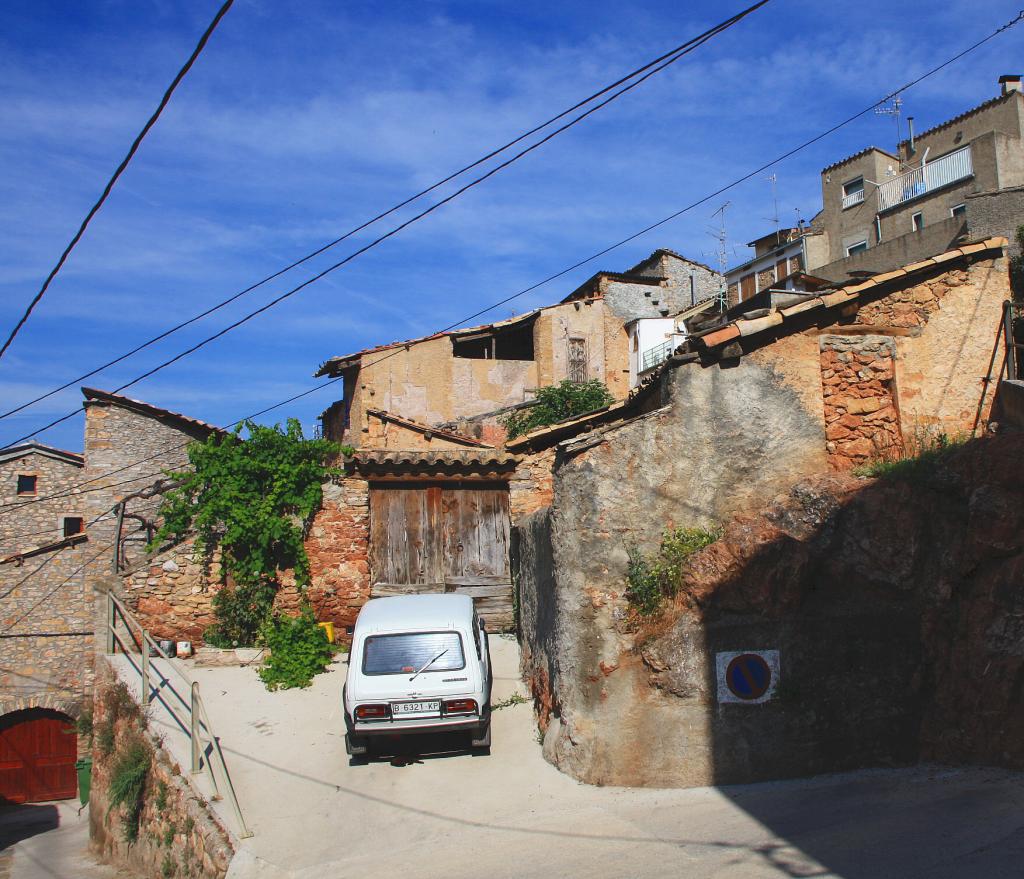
point(418, 664)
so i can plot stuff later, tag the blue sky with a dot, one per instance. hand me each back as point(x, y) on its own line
point(303, 119)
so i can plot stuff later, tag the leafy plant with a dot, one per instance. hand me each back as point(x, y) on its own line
point(128, 783)
point(160, 801)
point(299, 649)
point(514, 699)
point(556, 403)
point(923, 458)
point(252, 498)
point(649, 581)
point(169, 834)
point(84, 725)
point(105, 737)
point(168, 867)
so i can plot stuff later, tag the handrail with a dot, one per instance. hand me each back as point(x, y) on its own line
point(197, 722)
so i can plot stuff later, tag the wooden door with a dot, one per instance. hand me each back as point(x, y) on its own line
point(443, 537)
point(38, 749)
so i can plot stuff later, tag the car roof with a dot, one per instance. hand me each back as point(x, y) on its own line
point(414, 612)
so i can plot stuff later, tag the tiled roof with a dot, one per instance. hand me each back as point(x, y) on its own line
point(667, 252)
point(443, 433)
point(13, 452)
point(744, 327)
point(92, 394)
point(449, 461)
point(863, 152)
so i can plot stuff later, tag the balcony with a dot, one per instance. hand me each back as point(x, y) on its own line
point(934, 175)
point(856, 197)
point(658, 354)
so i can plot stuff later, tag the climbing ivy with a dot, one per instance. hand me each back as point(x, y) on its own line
point(252, 498)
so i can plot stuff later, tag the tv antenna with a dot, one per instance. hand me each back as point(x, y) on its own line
point(772, 179)
point(723, 254)
point(894, 110)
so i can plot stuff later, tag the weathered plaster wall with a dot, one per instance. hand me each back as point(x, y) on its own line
point(46, 651)
point(581, 319)
point(939, 372)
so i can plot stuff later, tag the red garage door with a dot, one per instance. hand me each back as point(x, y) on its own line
point(38, 749)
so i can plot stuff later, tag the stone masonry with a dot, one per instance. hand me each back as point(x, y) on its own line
point(861, 417)
point(46, 621)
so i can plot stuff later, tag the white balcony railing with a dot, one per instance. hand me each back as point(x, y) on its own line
point(934, 175)
point(853, 198)
point(658, 354)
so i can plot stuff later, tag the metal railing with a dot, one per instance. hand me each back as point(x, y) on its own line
point(658, 354)
point(205, 746)
point(853, 198)
point(933, 175)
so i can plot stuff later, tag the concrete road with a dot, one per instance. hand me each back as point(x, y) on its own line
point(48, 841)
point(457, 815)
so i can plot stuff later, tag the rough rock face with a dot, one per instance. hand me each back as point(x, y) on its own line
point(898, 610)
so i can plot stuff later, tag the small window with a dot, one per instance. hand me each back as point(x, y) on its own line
point(958, 211)
point(577, 360)
point(917, 221)
point(72, 525)
point(27, 483)
point(853, 186)
point(859, 247)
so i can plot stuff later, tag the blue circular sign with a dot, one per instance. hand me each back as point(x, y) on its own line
point(748, 676)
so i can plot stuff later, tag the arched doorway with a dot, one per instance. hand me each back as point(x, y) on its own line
point(38, 749)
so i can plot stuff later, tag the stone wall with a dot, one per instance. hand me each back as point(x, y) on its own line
point(997, 213)
point(46, 620)
point(733, 435)
point(179, 837)
point(531, 487)
point(861, 416)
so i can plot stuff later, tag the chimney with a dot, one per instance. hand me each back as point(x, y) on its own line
point(1010, 83)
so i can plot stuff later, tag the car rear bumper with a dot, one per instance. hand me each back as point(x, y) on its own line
point(419, 725)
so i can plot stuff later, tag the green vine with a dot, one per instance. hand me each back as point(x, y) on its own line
point(252, 499)
point(556, 403)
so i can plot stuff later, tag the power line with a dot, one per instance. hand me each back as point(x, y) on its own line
point(367, 223)
point(120, 169)
point(399, 346)
point(651, 69)
point(53, 591)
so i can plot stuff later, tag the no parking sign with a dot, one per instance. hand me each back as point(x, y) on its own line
point(747, 676)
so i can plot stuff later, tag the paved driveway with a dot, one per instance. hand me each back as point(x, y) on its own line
point(513, 815)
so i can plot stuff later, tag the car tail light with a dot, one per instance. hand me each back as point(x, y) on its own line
point(371, 712)
point(460, 706)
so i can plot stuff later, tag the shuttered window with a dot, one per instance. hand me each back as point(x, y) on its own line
point(578, 360)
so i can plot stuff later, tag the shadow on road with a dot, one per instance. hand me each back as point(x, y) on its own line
point(21, 821)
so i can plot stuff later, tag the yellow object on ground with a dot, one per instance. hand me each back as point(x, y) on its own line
point(328, 630)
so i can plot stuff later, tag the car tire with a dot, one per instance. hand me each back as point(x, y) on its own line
point(356, 746)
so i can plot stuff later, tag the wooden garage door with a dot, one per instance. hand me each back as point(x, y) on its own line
point(38, 749)
point(427, 537)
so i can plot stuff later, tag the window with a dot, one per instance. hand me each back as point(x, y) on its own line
point(748, 287)
point(917, 221)
point(853, 193)
point(408, 653)
point(72, 525)
point(578, 360)
point(506, 343)
point(27, 483)
point(959, 211)
point(859, 247)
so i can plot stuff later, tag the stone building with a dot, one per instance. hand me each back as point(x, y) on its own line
point(477, 373)
point(46, 641)
point(740, 414)
point(882, 209)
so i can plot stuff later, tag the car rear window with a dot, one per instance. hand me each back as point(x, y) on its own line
point(408, 653)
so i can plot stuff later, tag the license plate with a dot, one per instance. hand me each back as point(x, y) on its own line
point(400, 709)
